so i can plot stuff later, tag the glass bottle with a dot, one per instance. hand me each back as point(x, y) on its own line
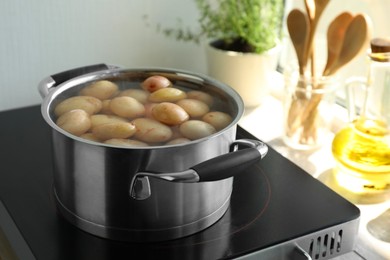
point(362, 148)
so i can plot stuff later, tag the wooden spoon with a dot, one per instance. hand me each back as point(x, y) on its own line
point(315, 8)
point(335, 36)
point(356, 37)
point(320, 6)
point(310, 8)
point(298, 28)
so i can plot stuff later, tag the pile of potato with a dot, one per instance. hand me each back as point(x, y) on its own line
point(157, 113)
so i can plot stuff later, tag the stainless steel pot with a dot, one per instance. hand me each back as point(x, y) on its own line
point(149, 193)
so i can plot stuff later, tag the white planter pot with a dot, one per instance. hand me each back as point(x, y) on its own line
point(250, 74)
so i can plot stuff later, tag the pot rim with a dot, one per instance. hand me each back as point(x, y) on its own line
point(54, 92)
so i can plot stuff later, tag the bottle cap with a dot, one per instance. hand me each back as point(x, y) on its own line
point(380, 45)
point(380, 49)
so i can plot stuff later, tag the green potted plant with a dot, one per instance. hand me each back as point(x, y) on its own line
point(243, 37)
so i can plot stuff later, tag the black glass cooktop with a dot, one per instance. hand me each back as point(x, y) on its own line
point(272, 202)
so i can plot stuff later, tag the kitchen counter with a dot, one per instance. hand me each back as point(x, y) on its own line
point(265, 122)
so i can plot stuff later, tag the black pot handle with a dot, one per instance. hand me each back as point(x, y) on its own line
point(218, 168)
point(230, 164)
point(61, 77)
point(56, 79)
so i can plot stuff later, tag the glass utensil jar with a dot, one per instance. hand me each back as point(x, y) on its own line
point(308, 110)
point(362, 148)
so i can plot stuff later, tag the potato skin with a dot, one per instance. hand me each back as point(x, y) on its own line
point(156, 82)
point(127, 107)
point(202, 96)
point(195, 108)
point(100, 119)
point(169, 113)
point(114, 130)
point(196, 129)
point(89, 104)
point(139, 94)
point(102, 89)
point(218, 119)
point(167, 95)
point(76, 122)
point(151, 131)
point(106, 107)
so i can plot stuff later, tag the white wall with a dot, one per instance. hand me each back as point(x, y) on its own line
point(39, 38)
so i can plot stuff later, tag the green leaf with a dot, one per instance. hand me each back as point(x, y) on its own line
point(254, 23)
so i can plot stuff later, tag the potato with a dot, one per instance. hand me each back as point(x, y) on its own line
point(157, 114)
point(196, 129)
point(100, 119)
point(180, 140)
point(102, 89)
point(202, 96)
point(76, 122)
point(176, 132)
point(195, 108)
point(217, 119)
point(114, 130)
point(138, 94)
point(91, 105)
point(154, 83)
point(148, 109)
point(106, 107)
point(127, 107)
point(125, 142)
point(90, 137)
point(167, 95)
point(169, 113)
point(151, 131)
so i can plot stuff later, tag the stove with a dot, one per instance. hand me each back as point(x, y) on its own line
point(277, 210)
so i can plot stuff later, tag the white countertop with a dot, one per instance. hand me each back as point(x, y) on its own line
point(265, 122)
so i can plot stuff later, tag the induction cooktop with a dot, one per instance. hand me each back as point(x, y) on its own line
point(277, 210)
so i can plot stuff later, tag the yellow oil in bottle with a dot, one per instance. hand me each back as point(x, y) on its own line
point(362, 153)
